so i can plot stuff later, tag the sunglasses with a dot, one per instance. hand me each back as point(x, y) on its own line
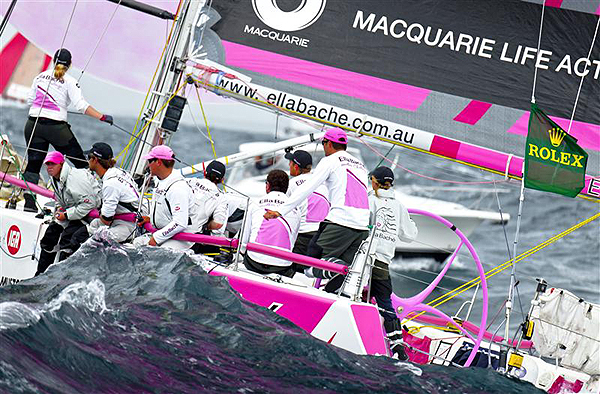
point(152, 160)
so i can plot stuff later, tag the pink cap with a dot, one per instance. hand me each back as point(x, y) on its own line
point(160, 152)
point(54, 157)
point(335, 134)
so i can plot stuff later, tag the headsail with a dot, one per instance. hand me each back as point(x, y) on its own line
point(464, 71)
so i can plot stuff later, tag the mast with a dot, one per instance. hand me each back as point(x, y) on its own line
point(164, 107)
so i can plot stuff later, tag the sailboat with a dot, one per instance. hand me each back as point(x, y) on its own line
point(368, 68)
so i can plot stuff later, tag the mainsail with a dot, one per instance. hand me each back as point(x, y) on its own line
point(461, 70)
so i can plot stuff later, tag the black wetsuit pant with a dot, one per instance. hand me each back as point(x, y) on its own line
point(50, 132)
point(264, 269)
point(334, 240)
point(68, 239)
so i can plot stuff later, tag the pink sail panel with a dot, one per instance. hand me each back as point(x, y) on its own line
point(587, 134)
point(356, 192)
point(327, 78)
point(318, 208)
point(9, 58)
point(473, 112)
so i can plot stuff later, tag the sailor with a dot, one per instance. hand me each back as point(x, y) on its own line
point(236, 206)
point(52, 92)
point(392, 223)
point(119, 194)
point(211, 202)
point(76, 192)
point(279, 233)
point(346, 225)
point(173, 207)
point(315, 208)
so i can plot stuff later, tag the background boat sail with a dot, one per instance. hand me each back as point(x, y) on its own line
point(440, 145)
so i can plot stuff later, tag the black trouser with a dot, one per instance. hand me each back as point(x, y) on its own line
point(70, 238)
point(255, 266)
point(50, 132)
point(334, 240)
point(381, 289)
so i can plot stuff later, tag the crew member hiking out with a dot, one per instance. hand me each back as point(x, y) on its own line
point(119, 194)
point(211, 203)
point(173, 208)
point(280, 233)
point(314, 209)
point(77, 192)
point(392, 223)
point(346, 225)
point(52, 92)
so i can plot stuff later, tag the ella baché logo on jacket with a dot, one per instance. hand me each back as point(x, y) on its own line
point(553, 160)
point(307, 13)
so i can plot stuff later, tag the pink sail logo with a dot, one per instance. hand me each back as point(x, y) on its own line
point(303, 16)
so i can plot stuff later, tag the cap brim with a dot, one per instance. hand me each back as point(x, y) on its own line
point(148, 157)
point(289, 156)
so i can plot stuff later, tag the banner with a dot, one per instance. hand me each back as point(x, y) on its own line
point(553, 160)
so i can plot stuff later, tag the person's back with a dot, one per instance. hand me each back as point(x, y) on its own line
point(210, 201)
point(279, 233)
point(50, 97)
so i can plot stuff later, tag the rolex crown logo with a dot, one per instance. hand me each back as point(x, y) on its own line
point(556, 136)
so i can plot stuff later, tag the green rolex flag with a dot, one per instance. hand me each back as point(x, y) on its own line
point(553, 160)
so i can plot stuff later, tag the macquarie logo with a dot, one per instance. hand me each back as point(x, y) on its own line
point(307, 13)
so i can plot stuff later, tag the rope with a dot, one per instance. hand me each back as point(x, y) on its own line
point(476, 281)
point(134, 139)
point(583, 76)
point(538, 51)
point(99, 40)
point(212, 144)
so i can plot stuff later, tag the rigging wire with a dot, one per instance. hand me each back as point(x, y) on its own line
point(99, 40)
point(160, 59)
point(584, 74)
point(538, 51)
point(476, 281)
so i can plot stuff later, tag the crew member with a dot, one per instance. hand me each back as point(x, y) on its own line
point(346, 225)
point(52, 92)
point(173, 207)
point(119, 194)
point(280, 233)
point(392, 223)
point(211, 203)
point(76, 192)
point(315, 208)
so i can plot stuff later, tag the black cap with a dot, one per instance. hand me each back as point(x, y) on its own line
point(63, 56)
point(383, 175)
point(217, 168)
point(101, 150)
point(301, 157)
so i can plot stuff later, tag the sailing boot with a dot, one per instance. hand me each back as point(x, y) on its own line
point(30, 205)
point(394, 334)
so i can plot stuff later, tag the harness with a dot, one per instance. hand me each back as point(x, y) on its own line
point(169, 205)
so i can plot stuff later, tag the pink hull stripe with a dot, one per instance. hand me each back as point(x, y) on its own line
point(327, 78)
point(554, 3)
point(587, 134)
point(598, 10)
point(304, 310)
point(9, 58)
point(473, 112)
point(370, 329)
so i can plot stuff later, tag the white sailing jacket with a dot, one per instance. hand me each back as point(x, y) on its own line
point(76, 191)
point(278, 233)
point(391, 221)
point(118, 187)
point(54, 98)
point(210, 200)
point(315, 208)
point(345, 178)
point(173, 208)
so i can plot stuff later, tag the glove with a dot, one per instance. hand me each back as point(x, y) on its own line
point(107, 118)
